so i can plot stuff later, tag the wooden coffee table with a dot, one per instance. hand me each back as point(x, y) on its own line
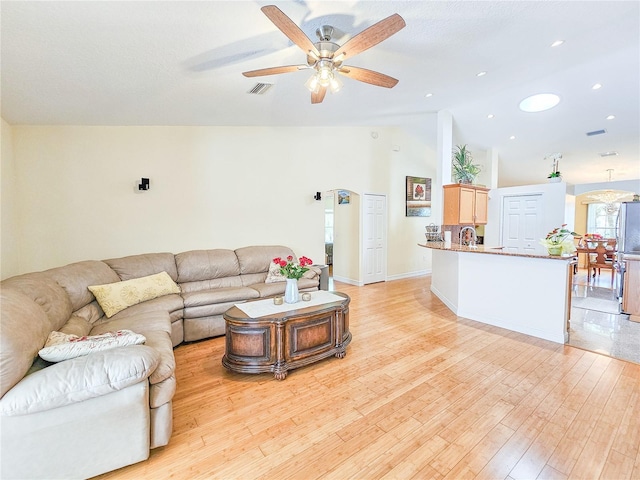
point(280, 342)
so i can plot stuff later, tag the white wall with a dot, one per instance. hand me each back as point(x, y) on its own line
point(415, 158)
point(211, 187)
point(554, 210)
point(346, 240)
point(9, 244)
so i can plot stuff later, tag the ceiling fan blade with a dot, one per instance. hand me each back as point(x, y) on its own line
point(274, 70)
point(290, 29)
point(318, 97)
point(368, 76)
point(371, 36)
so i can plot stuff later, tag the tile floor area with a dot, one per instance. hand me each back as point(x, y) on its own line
point(595, 327)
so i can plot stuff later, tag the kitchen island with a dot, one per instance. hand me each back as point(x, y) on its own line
point(526, 293)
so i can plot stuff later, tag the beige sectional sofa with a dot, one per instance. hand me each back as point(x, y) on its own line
point(98, 412)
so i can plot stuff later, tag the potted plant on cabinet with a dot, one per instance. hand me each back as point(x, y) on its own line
point(555, 175)
point(464, 170)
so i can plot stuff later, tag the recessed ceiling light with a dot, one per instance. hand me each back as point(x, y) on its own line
point(610, 117)
point(512, 137)
point(481, 74)
point(596, 86)
point(490, 115)
point(608, 154)
point(539, 102)
point(429, 95)
point(557, 43)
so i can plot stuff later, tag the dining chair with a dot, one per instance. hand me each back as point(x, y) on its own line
point(601, 258)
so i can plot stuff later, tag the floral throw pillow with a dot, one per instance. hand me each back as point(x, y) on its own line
point(114, 297)
point(61, 346)
point(274, 275)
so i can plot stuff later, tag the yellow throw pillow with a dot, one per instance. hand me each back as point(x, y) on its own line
point(114, 297)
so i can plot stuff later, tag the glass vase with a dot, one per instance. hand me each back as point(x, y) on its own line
point(291, 291)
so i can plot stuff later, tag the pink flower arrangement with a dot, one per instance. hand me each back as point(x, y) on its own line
point(592, 236)
point(290, 269)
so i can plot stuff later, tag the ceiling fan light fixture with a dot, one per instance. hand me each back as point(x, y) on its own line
point(335, 84)
point(324, 72)
point(313, 84)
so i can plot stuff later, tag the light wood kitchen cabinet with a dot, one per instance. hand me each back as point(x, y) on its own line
point(465, 204)
point(631, 287)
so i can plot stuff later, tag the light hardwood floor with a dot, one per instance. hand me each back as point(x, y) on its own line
point(420, 394)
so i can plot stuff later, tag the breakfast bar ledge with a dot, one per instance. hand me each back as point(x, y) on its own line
point(526, 293)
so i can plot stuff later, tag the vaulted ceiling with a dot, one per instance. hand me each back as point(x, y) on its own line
point(181, 63)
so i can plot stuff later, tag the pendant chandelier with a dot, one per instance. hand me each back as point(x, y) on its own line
point(609, 197)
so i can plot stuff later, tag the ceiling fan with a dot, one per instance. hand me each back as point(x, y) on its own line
point(326, 57)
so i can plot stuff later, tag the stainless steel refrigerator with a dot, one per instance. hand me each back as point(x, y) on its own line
point(628, 238)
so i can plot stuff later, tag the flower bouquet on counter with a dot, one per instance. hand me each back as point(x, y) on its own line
point(290, 269)
point(559, 241)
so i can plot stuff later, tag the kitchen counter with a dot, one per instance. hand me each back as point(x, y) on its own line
point(525, 293)
point(631, 290)
point(489, 250)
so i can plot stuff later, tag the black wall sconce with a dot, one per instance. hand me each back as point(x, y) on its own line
point(318, 196)
point(144, 185)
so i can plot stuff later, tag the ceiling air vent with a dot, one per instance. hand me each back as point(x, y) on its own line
point(260, 88)
point(596, 132)
point(608, 154)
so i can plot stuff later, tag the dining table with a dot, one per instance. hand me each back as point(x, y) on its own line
point(588, 246)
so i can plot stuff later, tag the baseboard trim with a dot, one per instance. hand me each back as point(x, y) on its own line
point(420, 273)
point(400, 276)
point(348, 281)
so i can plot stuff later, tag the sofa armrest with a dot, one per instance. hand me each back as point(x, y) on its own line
point(80, 379)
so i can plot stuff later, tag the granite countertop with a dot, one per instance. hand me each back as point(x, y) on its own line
point(455, 247)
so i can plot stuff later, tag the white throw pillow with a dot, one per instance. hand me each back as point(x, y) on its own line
point(114, 297)
point(61, 346)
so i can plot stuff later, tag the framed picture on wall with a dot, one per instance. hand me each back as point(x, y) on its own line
point(418, 203)
point(344, 197)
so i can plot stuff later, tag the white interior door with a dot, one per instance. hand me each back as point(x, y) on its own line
point(522, 223)
point(374, 227)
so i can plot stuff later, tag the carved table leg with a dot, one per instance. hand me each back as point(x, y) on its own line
point(280, 375)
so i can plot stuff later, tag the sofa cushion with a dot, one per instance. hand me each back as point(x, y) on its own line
point(24, 327)
point(167, 303)
point(156, 328)
point(61, 346)
point(218, 295)
point(162, 392)
point(223, 282)
point(208, 310)
point(46, 292)
point(80, 379)
point(76, 277)
point(143, 265)
point(114, 297)
point(76, 326)
point(90, 312)
point(198, 265)
point(257, 259)
point(142, 323)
